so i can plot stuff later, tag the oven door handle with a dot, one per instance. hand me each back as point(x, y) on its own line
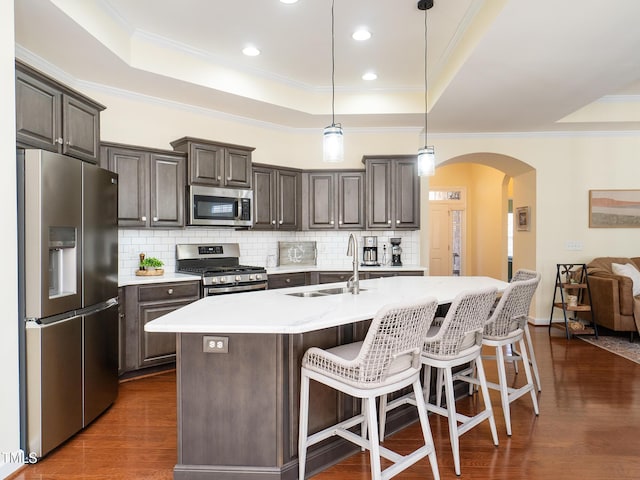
point(236, 288)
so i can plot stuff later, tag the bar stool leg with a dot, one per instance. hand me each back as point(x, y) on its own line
point(426, 429)
point(373, 438)
point(504, 393)
point(532, 357)
point(451, 416)
point(304, 425)
point(487, 401)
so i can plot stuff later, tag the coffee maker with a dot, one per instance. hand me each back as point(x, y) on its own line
point(370, 251)
point(396, 252)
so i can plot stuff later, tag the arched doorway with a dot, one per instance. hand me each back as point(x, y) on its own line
point(489, 183)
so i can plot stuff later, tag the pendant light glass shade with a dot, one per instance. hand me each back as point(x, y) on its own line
point(427, 161)
point(333, 144)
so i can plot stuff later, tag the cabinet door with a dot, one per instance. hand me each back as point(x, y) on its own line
point(351, 200)
point(81, 131)
point(264, 198)
point(406, 186)
point(378, 174)
point(167, 190)
point(288, 191)
point(132, 168)
point(322, 200)
point(205, 164)
point(237, 168)
point(38, 118)
point(156, 348)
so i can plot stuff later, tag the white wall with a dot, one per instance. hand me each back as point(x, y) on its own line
point(9, 412)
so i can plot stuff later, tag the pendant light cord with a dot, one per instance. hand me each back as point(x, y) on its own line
point(426, 89)
point(333, 67)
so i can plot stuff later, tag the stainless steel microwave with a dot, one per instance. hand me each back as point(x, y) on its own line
point(219, 207)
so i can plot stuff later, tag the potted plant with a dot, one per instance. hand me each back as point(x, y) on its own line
point(150, 266)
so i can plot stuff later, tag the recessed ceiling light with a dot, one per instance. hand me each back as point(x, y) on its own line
point(251, 51)
point(369, 76)
point(361, 34)
point(288, 2)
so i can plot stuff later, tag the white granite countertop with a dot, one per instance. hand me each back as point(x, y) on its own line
point(342, 268)
point(275, 312)
point(131, 279)
point(125, 280)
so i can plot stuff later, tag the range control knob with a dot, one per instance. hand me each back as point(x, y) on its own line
point(252, 277)
point(259, 276)
point(223, 279)
point(238, 278)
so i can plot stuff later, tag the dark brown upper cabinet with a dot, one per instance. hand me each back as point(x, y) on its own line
point(276, 198)
point(215, 164)
point(151, 185)
point(53, 117)
point(393, 192)
point(335, 200)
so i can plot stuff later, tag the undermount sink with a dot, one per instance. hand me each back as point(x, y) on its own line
point(323, 293)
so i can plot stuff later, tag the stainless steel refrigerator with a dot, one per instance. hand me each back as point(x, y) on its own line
point(68, 250)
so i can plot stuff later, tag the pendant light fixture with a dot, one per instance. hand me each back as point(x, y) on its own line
point(333, 138)
point(427, 154)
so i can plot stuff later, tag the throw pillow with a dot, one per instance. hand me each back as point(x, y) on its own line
point(628, 270)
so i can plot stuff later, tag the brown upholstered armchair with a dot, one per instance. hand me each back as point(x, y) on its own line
point(612, 301)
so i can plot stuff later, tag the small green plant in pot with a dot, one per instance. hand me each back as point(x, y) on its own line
point(150, 264)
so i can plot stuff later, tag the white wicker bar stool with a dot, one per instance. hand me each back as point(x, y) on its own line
point(387, 360)
point(505, 327)
point(456, 341)
point(520, 275)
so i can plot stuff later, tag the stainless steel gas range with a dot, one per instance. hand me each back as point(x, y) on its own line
point(219, 267)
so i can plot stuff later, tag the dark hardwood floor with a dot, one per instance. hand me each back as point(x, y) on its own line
point(588, 428)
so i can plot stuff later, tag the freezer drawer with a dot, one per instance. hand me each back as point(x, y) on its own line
point(54, 383)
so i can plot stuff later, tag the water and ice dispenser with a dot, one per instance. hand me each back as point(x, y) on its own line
point(62, 261)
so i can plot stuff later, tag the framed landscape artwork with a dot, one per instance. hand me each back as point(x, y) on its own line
point(522, 219)
point(614, 208)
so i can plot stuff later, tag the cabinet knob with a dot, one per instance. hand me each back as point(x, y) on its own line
point(339, 222)
point(331, 222)
point(228, 179)
point(155, 219)
point(170, 291)
point(273, 222)
point(68, 142)
point(397, 222)
point(219, 177)
point(143, 218)
point(280, 222)
point(389, 222)
point(287, 280)
point(58, 140)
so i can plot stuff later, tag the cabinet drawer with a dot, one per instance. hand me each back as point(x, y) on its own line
point(404, 273)
point(332, 277)
point(287, 280)
point(169, 291)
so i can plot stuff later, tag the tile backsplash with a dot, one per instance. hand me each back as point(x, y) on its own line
point(255, 246)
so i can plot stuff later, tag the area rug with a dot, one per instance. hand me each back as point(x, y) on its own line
point(618, 345)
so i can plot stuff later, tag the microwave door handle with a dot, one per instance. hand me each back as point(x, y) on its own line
point(238, 209)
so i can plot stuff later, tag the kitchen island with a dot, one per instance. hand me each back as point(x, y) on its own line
point(238, 369)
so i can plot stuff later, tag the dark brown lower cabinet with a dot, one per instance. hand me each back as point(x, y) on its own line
point(143, 303)
point(238, 411)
